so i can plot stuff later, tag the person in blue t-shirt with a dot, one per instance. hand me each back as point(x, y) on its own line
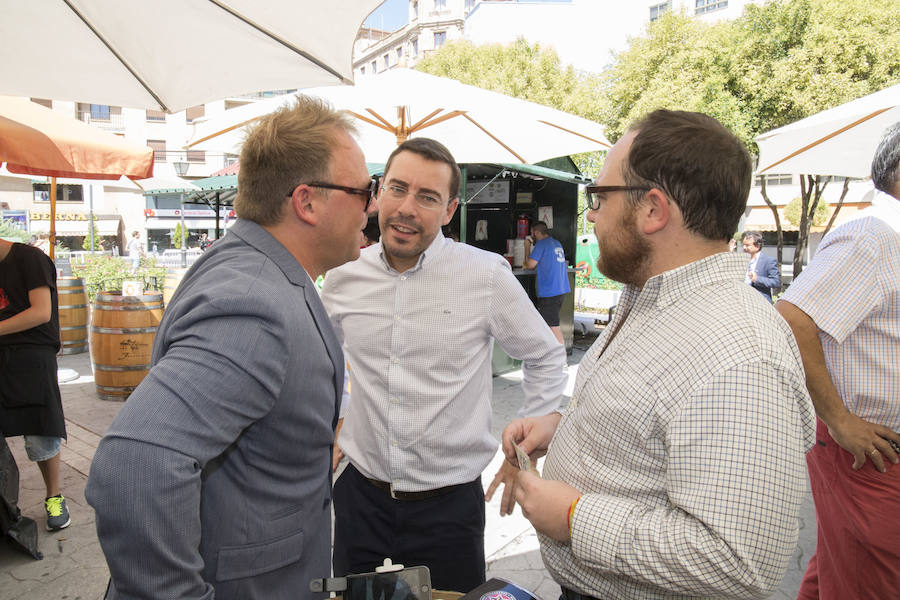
point(552, 275)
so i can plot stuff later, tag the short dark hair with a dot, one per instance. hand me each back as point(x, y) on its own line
point(540, 227)
point(754, 236)
point(432, 150)
point(698, 163)
point(886, 164)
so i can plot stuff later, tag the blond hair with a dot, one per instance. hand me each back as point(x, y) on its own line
point(290, 146)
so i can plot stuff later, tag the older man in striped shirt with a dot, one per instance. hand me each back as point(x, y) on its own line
point(845, 311)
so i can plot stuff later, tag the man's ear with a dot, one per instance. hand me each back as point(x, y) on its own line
point(655, 211)
point(448, 213)
point(302, 205)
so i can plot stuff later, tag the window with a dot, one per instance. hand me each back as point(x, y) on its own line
point(64, 193)
point(194, 112)
point(470, 4)
point(415, 47)
point(399, 54)
point(708, 6)
point(196, 156)
point(775, 179)
point(99, 112)
point(43, 102)
point(415, 7)
point(439, 38)
point(159, 150)
point(156, 116)
point(440, 4)
point(362, 70)
point(374, 67)
point(387, 60)
point(658, 10)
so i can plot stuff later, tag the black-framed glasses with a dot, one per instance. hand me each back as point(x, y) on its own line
point(367, 193)
point(396, 193)
point(593, 193)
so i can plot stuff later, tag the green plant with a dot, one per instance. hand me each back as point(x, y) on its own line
point(104, 273)
point(793, 208)
point(176, 236)
point(11, 232)
point(86, 244)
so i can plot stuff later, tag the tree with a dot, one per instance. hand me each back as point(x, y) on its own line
point(86, 244)
point(176, 236)
point(526, 71)
point(779, 62)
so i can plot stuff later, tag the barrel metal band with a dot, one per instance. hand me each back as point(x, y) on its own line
point(64, 306)
point(128, 299)
point(69, 290)
point(73, 328)
point(116, 388)
point(141, 307)
point(123, 330)
point(121, 368)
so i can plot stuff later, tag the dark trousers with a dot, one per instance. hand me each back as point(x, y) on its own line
point(444, 533)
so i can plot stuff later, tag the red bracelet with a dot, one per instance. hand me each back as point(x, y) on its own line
point(572, 512)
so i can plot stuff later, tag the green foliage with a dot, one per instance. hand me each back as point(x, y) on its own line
point(176, 236)
point(9, 231)
point(793, 208)
point(103, 273)
point(86, 244)
point(779, 62)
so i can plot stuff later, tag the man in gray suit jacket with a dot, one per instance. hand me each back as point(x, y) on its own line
point(214, 480)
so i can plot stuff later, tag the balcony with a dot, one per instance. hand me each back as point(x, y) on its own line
point(114, 122)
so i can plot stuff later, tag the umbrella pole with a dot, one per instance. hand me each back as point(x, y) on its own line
point(462, 206)
point(53, 218)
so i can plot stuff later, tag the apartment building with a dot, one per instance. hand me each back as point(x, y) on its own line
point(120, 207)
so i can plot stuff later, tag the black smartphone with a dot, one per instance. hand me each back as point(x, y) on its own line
point(413, 583)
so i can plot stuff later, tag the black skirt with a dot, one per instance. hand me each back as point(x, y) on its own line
point(30, 402)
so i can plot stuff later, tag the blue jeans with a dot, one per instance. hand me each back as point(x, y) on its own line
point(41, 447)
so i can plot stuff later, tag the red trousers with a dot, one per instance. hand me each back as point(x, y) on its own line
point(858, 518)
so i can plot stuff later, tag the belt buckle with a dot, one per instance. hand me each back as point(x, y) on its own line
point(391, 486)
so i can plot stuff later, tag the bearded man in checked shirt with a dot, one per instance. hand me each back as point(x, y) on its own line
point(677, 470)
point(845, 311)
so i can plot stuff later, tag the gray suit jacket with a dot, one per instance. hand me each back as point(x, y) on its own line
point(214, 480)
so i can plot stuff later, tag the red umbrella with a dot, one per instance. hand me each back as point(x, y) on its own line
point(38, 141)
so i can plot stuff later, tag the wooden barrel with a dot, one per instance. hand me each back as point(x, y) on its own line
point(73, 315)
point(122, 332)
point(173, 278)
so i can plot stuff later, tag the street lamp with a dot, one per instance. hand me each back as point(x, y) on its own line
point(181, 167)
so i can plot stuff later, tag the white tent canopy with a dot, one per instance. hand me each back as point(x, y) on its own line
point(840, 141)
point(476, 125)
point(172, 54)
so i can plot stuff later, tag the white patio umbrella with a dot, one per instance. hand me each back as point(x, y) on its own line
point(839, 141)
point(172, 54)
point(475, 124)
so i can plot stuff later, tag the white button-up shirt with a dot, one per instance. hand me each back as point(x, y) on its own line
point(419, 346)
point(686, 434)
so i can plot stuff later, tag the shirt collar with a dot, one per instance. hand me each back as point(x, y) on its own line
point(428, 256)
point(671, 286)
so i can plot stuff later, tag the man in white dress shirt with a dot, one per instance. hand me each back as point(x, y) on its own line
point(418, 315)
point(677, 469)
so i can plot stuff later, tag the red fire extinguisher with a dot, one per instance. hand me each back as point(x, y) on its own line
point(523, 227)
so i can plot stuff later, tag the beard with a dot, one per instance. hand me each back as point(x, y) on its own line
point(624, 254)
point(404, 249)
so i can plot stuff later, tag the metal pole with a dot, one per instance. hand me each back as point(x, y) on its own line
point(183, 242)
point(91, 214)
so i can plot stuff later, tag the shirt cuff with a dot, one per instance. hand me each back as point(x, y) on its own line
point(598, 527)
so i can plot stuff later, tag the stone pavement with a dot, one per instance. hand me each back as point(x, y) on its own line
point(74, 568)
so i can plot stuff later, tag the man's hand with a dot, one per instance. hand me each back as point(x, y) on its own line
point(532, 434)
point(864, 439)
point(337, 454)
point(507, 476)
point(753, 276)
point(546, 504)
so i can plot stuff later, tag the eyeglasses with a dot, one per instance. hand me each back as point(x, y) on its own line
point(427, 200)
point(593, 193)
point(367, 193)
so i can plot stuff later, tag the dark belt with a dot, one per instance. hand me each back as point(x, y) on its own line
point(568, 594)
point(423, 495)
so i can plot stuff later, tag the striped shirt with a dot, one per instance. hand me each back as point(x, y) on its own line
point(851, 289)
point(686, 435)
point(419, 346)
